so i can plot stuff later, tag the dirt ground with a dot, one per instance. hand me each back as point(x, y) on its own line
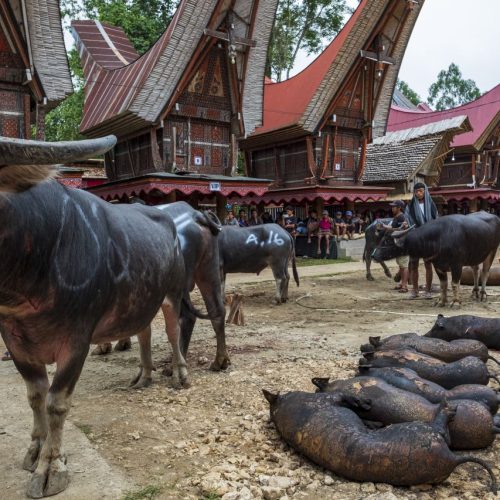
point(215, 439)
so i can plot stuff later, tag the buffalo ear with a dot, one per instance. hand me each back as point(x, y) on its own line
point(271, 398)
point(321, 382)
point(375, 341)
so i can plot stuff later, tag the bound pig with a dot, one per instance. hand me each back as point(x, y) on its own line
point(471, 428)
point(408, 380)
point(468, 370)
point(447, 351)
point(465, 326)
point(324, 428)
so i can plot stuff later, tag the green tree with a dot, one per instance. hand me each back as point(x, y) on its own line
point(408, 92)
point(63, 122)
point(451, 89)
point(302, 24)
point(142, 20)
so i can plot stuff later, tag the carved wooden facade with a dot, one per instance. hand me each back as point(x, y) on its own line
point(189, 111)
point(321, 139)
point(27, 89)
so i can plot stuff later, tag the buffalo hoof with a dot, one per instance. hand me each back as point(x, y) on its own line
point(456, 303)
point(179, 383)
point(475, 293)
point(55, 480)
point(123, 345)
point(31, 458)
point(220, 364)
point(484, 297)
point(102, 349)
point(440, 303)
point(167, 371)
point(369, 277)
point(140, 381)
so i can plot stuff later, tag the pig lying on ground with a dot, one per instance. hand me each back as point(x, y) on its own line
point(471, 428)
point(447, 351)
point(324, 429)
point(468, 370)
point(465, 326)
point(408, 380)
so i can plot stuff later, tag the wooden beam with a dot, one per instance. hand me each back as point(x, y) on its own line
point(310, 156)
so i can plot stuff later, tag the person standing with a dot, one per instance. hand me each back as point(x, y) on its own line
point(290, 221)
point(398, 223)
point(419, 211)
point(243, 218)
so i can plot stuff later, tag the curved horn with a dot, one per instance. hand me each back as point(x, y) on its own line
point(399, 234)
point(24, 152)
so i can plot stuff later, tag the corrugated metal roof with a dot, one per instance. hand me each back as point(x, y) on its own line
point(399, 99)
point(457, 124)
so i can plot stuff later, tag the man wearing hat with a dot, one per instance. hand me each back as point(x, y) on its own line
point(399, 222)
point(420, 210)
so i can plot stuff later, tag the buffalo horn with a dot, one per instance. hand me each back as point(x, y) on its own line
point(24, 152)
point(399, 234)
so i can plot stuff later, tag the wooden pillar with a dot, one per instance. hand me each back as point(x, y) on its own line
point(155, 151)
point(319, 205)
point(193, 200)
point(473, 206)
point(40, 122)
point(221, 202)
point(349, 205)
point(171, 197)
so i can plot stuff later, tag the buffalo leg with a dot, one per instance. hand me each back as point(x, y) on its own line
point(485, 272)
point(214, 303)
point(443, 281)
point(475, 274)
point(281, 277)
point(143, 378)
point(51, 474)
point(456, 276)
point(386, 270)
point(368, 263)
point(37, 385)
point(172, 326)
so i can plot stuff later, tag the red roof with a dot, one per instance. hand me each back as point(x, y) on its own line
point(480, 112)
point(285, 102)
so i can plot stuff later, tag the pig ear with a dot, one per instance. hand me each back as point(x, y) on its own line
point(320, 382)
point(368, 355)
point(374, 341)
point(440, 321)
point(367, 348)
point(271, 398)
point(358, 403)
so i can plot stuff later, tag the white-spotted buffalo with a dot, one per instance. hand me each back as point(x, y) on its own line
point(75, 270)
point(373, 237)
point(450, 243)
point(252, 249)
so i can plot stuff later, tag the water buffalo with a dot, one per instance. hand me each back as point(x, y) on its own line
point(373, 237)
point(252, 249)
point(450, 243)
point(75, 270)
point(466, 326)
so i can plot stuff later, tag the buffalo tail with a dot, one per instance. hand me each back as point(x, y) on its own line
point(187, 304)
point(294, 264)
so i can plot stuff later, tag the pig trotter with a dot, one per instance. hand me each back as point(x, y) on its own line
point(53, 481)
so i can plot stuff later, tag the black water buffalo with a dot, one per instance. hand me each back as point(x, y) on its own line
point(75, 270)
point(198, 236)
point(252, 249)
point(450, 243)
point(373, 237)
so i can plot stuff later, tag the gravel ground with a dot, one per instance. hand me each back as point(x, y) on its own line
point(215, 439)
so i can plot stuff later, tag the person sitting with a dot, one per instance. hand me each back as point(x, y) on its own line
point(290, 221)
point(267, 218)
point(243, 219)
point(230, 220)
point(359, 223)
point(339, 226)
point(254, 218)
point(312, 224)
point(349, 224)
point(325, 227)
point(399, 222)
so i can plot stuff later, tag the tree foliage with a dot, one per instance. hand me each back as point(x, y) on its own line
point(302, 24)
point(408, 92)
point(451, 89)
point(142, 20)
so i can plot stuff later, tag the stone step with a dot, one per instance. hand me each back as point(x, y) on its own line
point(351, 248)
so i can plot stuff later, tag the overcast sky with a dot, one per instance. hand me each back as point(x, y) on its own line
point(466, 32)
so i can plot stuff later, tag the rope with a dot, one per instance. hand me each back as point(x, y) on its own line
point(368, 311)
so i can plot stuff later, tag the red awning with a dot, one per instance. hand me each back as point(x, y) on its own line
point(461, 194)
